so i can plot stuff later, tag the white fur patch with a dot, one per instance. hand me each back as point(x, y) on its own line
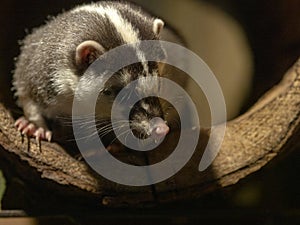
point(143, 61)
point(148, 86)
point(91, 8)
point(126, 77)
point(145, 106)
point(124, 28)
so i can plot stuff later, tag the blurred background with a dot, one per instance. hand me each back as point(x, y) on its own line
point(248, 44)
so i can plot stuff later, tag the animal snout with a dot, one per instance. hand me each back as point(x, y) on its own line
point(159, 128)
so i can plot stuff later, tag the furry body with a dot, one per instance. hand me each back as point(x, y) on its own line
point(55, 56)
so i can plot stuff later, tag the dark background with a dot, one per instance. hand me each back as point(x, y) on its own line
point(269, 196)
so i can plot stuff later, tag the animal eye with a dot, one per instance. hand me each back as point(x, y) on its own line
point(107, 92)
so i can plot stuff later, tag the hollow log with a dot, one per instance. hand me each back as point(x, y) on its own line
point(270, 128)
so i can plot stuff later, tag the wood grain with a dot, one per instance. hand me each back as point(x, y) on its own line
point(270, 128)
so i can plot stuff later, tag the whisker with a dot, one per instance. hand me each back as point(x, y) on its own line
point(123, 133)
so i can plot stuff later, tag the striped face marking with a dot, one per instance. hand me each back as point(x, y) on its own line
point(128, 30)
point(128, 33)
point(128, 25)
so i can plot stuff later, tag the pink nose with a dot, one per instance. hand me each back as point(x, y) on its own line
point(159, 129)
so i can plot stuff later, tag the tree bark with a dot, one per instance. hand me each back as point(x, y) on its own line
point(270, 128)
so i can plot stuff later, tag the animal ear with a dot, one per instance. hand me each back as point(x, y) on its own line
point(87, 52)
point(158, 25)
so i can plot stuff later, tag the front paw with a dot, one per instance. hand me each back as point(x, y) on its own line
point(31, 130)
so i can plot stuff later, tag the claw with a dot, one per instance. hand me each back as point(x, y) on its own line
point(21, 123)
point(39, 134)
point(30, 129)
point(48, 135)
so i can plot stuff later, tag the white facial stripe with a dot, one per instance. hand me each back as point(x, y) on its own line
point(148, 86)
point(123, 27)
point(126, 77)
point(145, 106)
point(143, 61)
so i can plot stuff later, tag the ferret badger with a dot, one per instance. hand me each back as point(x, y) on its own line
point(55, 56)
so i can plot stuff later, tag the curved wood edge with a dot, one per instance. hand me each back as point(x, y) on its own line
point(270, 127)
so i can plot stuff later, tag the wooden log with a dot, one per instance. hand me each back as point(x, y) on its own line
point(268, 129)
